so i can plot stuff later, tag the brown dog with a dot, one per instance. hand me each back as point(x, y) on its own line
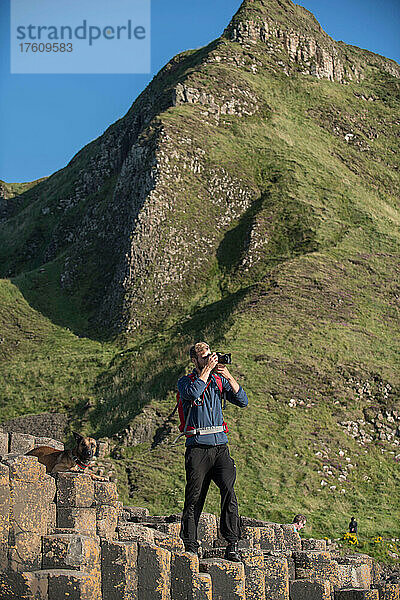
point(78, 459)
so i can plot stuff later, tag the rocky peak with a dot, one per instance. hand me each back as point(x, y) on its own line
point(282, 25)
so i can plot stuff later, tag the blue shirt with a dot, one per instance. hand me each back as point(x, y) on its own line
point(209, 412)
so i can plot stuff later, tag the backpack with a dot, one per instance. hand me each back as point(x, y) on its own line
point(179, 404)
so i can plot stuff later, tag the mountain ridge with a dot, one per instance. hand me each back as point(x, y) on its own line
point(120, 146)
point(244, 201)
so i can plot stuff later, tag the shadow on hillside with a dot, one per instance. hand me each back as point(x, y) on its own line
point(275, 228)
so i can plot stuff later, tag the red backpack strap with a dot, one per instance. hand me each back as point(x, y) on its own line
point(179, 404)
point(218, 381)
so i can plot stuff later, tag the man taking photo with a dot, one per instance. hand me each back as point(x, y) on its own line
point(207, 456)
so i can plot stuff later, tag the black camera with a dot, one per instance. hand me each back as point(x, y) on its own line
point(224, 359)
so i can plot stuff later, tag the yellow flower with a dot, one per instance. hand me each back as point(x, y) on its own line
point(351, 538)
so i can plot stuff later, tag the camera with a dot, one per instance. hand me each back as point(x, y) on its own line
point(224, 359)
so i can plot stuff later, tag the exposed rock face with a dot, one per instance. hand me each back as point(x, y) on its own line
point(301, 38)
point(238, 101)
point(126, 217)
point(303, 50)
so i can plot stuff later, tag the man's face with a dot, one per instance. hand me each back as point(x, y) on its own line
point(202, 358)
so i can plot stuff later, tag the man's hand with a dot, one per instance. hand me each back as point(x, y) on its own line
point(209, 366)
point(223, 370)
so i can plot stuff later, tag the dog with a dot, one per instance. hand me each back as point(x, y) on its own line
point(77, 460)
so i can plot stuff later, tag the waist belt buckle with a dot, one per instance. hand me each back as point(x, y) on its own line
point(209, 430)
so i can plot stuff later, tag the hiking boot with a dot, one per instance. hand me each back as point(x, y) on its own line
point(232, 552)
point(192, 549)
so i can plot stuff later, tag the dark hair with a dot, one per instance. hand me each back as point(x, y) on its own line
point(299, 519)
point(196, 347)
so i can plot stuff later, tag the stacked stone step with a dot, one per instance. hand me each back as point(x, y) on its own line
point(320, 576)
point(302, 569)
point(314, 567)
point(69, 537)
point(388, 591)
point(163, 570)
point(71, 556)
point(355, 571)
point(27, 512)
point(87, 511)
point(21, 443)
point(50, 530)
point(266, 549)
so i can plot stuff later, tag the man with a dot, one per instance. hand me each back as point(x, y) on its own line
point(299, 522)
point(207, 456)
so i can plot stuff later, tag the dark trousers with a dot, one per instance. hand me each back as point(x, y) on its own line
point(204, 464)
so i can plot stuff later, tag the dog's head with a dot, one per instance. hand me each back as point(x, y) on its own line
point(85, 447)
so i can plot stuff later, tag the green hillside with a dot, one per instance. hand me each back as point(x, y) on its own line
point(268, 227)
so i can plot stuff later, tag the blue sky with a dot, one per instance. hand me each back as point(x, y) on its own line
point(46, 119)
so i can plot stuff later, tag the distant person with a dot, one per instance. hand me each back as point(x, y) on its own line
point(299, 522)
point(353, 525)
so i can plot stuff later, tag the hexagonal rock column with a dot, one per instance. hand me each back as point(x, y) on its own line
point(207, 530)
point(276, 578)
point(317, 566)
point(107, 521)
point(31, 492)
point(227, 578)
point(279, 540)
point(5, 503)
point(388, 591)
point(46, 441)
point(74, 490)
point(105, 492)
point(252, 534)
point(4, 437)
point(253, 561)
point(154, 571)
point(202, 586)
point(355, 571)
point(119, 570)
point(76, 520)
point(76, 552)
point(135, 532)
point(75, 496)
point(108, 508)
point(21, 586)
point(20, 443)
point(357, 595)
point(312, 544)
point(169, 541)
point(183, 566)
point(310, 590)
point(71, 585)
point(129, 512)
point(270, 538)
point(291, 537)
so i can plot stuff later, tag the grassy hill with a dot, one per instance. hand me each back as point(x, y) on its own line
point(259, 211)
